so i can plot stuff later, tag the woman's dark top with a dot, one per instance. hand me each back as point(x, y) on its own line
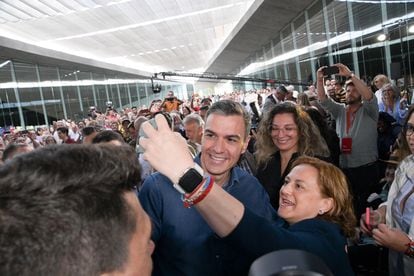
point(270, 176)
point(256, 236)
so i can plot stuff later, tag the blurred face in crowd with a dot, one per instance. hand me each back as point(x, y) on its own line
point(390, 173)
point(223, 142)
point(156, 107)
point(81, 125)
point(114, 126)
point(352, 95)
point(186, 111)
point(194, 132)
point(330, 89)
point(410, 132)
point(61, 135)
point(388, 96)
point(284, 132)
point(289, 96)
point(300, 195)
point(379, 82)
point(132, 132)
point(280, 95)
point(50, 140)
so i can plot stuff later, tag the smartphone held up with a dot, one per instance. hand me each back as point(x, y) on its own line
point(330, 70)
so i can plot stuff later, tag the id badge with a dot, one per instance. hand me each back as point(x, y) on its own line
point(346, 145)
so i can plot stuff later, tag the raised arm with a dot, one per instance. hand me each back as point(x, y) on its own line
point(319, 84)
point(167, 152)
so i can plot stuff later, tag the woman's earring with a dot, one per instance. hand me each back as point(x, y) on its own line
point(320, 212)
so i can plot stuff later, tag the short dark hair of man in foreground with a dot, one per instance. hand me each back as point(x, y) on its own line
point(72, 210)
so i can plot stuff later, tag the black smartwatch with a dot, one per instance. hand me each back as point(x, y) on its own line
point(190, 179)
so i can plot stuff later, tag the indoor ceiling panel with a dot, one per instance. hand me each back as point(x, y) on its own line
point(100, 30)
point(148, 35)
point(12, 13)
point(45, 10)
point(28, 9)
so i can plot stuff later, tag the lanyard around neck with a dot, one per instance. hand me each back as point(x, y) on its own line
point(350, 117)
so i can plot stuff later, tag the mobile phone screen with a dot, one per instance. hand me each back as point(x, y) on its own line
point(331, 70)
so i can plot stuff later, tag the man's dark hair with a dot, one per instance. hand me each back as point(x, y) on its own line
point(206, 100)
point(107, 136)
point(64, 130)
point(204, 107)
point(88, 130)
point(70, 219)
point(13, 149)
point(229, 108)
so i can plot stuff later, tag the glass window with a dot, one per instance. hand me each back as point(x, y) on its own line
point(70, 93)
point(51, 94)
point(133, 89)
point(100, 91)
point(86, 91)
point(9, 115)
point(30, 98)
point(123, 91)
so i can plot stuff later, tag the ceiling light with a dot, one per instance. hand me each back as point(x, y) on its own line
point(381, 37)
point(411, 29)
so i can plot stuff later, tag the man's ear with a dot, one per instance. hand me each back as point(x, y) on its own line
point(245, 144)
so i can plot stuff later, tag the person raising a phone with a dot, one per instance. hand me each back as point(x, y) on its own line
point(171, 102)
point(356, 126)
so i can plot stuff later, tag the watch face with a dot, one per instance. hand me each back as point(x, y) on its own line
point(190, 180)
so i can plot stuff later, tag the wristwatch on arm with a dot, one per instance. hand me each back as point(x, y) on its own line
point(190, 179)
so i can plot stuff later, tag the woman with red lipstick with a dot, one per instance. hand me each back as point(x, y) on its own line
point(285, 133)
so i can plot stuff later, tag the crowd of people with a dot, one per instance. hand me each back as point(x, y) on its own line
point(258, 171)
